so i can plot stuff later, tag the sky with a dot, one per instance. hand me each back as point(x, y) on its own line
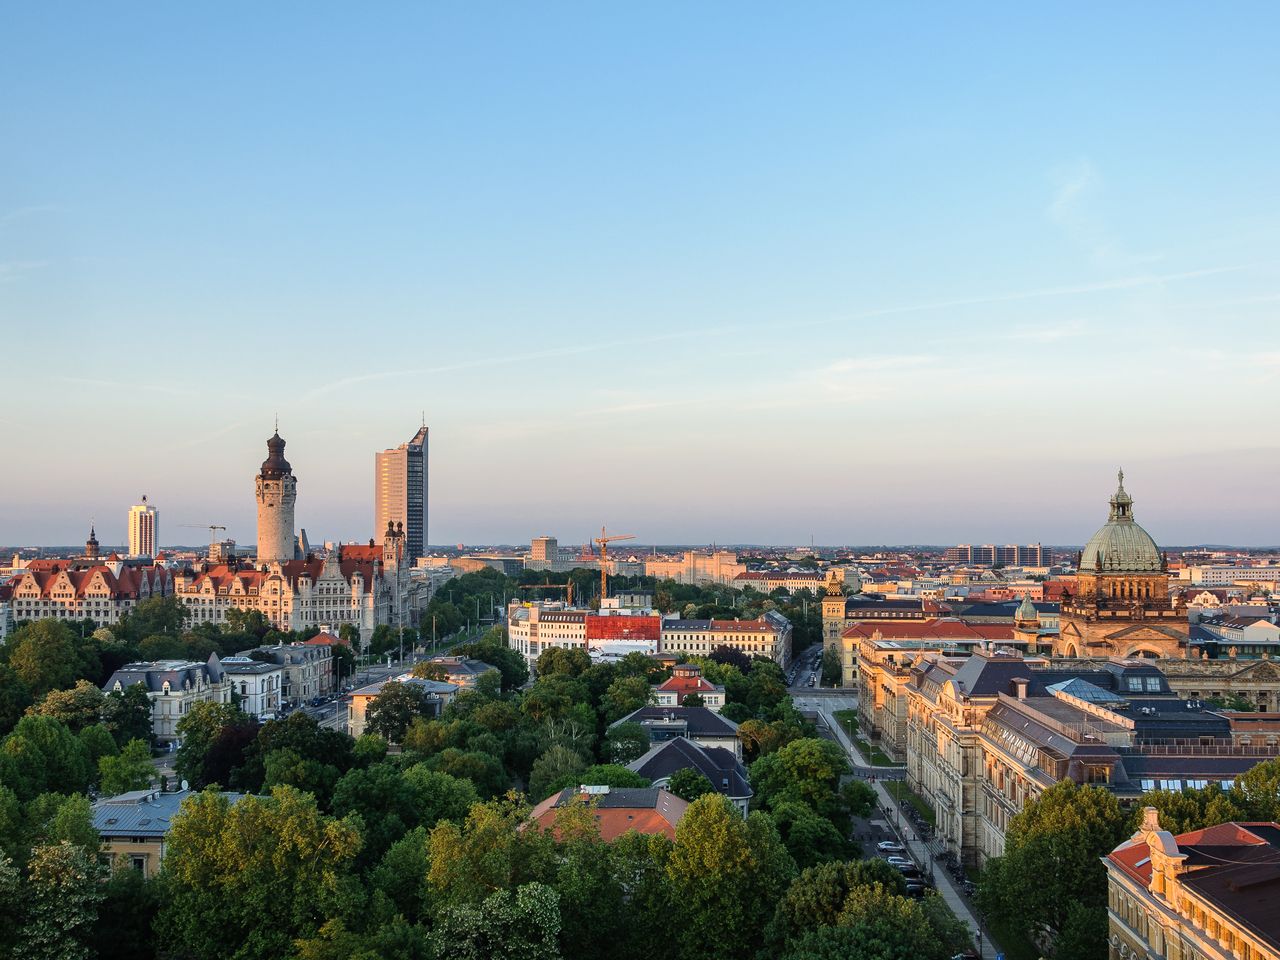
point(732, 272)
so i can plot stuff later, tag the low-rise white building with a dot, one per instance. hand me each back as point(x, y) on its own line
point(173, 687)
point(255, 685)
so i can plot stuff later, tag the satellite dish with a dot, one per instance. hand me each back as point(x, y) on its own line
point(185, 785)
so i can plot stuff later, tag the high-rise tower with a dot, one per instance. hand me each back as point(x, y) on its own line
point(144, 529)
point(400, 492)
point(277, 491)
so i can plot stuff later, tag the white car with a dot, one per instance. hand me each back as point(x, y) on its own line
point(890, 846)
point(899, 862)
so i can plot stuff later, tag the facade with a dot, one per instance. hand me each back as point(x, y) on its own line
point(987, 733)
point(362, 586)
point(1225, 575)
point(720, 566)
point(463, 672)
point(617, 810)
point(134, 827)
point(720, 766)
point(792, 581)
point(400, 492)
point(307, 669)
point(769, 636)
point(173, 686)
point(1206, 895)
point(1013, 555)
point(1121, 604)
point(100, 591)
point(533, 628)
point(277, 493)
point(686, 679)
point(144, 530)
point(256, 686)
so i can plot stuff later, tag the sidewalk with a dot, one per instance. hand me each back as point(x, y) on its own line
point(916, 847)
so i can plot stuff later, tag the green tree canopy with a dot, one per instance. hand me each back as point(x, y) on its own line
point(46, 655)
point(394, 708)
point(262, 873)
point(690, 784)
point(130, 769)
point(519, 925)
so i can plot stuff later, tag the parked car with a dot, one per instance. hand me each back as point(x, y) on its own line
point(917, 889)
point(899, 862)
point(890, 846)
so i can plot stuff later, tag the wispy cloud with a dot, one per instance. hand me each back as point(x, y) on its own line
point(1074, 208)
point(1050, 334)
point(877, 363)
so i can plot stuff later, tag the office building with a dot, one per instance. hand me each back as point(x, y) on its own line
point(277, 492)
point(544, 550)
point(1010, 554)
point(400, 492)
point(144, 529)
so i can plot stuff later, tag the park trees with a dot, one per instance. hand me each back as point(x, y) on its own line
point(720, 867)
point(58, 905)
point(1051, 877)
point(46, 655)
point(130, 769)
point(394, 709)
point(262, 872)
point(690, 784)
point(215, 739)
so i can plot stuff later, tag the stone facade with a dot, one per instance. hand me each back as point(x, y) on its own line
point(276, 490)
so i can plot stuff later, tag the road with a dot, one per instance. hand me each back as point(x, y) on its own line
point(888, 822)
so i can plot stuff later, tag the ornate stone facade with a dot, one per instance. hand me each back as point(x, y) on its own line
point(1121, 605)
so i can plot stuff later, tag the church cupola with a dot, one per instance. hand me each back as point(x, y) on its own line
point(91, 545)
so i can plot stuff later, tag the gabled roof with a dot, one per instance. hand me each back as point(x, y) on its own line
point(619, 810)
point(725, 771)
point(699, 721)
point(141, 813)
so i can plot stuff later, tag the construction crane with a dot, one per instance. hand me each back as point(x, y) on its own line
point(604, 540)
point(213, 531)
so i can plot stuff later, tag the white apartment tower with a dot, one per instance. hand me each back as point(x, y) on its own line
point(144, 529)
point(277, 491)
point(400, 493)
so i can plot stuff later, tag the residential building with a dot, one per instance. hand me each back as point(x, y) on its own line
point(1205, 895)
point(173, 687)
point(134, 827)
point(719, 566)
point(102, 591)
point(1225, 575)
point(722, 767)
point(144, 529)
point(276, 490)
point(255, 686)
point(687, 679)
point(617, 810)
point(1013, 555)
point(768, 636)
point(400, 492)
point(1121, 604)
point(437, 695)
point(307, 669)
point(705, 727)
point(534, 627)
point(792, 581)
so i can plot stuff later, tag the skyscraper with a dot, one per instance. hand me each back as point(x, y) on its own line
point(400, 492)
point(144, 529)
point(277, 491)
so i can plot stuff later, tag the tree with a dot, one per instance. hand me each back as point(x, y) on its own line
point(42, 756)
point(131, 769)
point(599, 775)
point(808, 837)
point(46, 655)
point(563, 660)
point(556, 765)
point(625, 742)
point(127, 714)
point(832, 674)
point(1259, 790)
point(1182, 811)
point(262, 872)
point(524, 925)
point(805, 770)
point(393, 709)
point(690, 784)
point(721, 867)
point(1053, 860)
point(816, 897)
point(625, 695)
point(78, 707)
point(155, 615)
point(215, 738)
point(60, 905)
point(483, 769)
point(128, 909)
point(384, 802)
point(15, 697)
point(426, 670)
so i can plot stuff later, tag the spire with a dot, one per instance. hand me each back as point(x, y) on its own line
point(1121, 502)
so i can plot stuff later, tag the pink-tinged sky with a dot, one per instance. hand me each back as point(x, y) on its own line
point(724, 273)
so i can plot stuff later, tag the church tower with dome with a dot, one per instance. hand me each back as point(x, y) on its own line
point(277, 491)
point(1121, 606)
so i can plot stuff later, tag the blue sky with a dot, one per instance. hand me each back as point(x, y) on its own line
point(728, 272)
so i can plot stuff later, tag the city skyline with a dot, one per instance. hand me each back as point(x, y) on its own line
point(702, 275)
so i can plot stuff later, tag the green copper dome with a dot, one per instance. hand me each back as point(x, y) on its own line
point(1026, 610)
point(1121, 546)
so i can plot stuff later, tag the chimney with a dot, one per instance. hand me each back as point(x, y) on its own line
point(1020, 687)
